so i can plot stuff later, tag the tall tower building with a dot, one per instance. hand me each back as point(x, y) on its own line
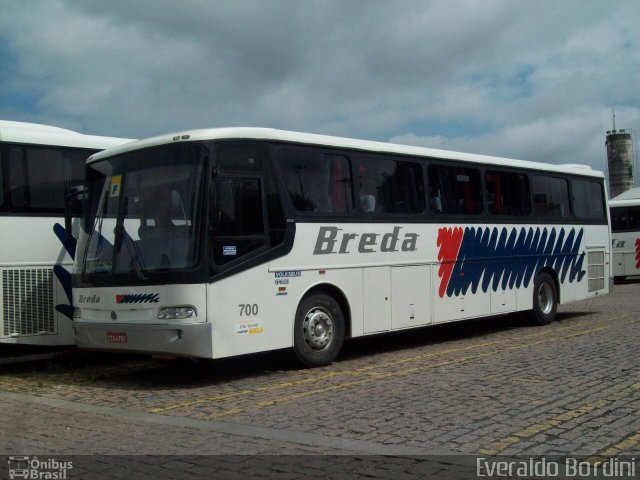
point(620, 161)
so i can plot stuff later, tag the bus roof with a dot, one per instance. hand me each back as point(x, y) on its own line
point(245, 133)
point(626, 199)
point(36, 134)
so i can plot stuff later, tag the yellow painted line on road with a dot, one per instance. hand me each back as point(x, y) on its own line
point(556, 421)
point(84, 376)
point(625, 444)
point(541, 427)
point(199, 400)
point(223, 414)
point(620, 447)
point(294, 396)
point(314, 379)
point(369, 370)
point(380, 375)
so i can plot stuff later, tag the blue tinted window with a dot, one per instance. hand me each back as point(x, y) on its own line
point(588, 200)
point(550, 197)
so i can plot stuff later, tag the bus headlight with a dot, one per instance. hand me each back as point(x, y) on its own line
point(177, 313)
point(77, 314)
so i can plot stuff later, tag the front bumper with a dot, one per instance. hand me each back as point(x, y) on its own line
point(187, 340)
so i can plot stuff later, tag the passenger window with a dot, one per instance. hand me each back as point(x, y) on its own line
point(1, 185)
point(17, 178)
point(455, 190)
point(550, 197)
point(588, 200)
point(38, 178)
point(390, 186)
point(317, 182)
point(45, 172)
point(75, 162)
point(275, 212)
point(633, 215)
point(507, 193)
point(238, 226)
point(618, 219)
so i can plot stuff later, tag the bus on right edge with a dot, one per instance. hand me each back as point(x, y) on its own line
point(625, 235)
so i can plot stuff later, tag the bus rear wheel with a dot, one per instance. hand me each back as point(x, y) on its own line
point(318, 330)
point(545, 299)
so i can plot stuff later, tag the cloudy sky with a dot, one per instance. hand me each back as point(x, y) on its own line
point(526, 79)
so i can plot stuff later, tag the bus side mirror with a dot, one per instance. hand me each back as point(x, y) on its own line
point(73, 204)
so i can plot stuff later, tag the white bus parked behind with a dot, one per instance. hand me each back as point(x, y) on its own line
point(39, 165)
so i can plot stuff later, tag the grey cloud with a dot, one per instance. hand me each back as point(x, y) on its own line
point(500, 70)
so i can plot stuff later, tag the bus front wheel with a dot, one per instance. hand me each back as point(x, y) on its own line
point(545, 298)
point(318, 331)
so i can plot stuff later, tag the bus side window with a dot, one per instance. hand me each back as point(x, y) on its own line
point(237, 226)
point(588, 200)
point(74, 174)
point(1, 184)
point(633, 215)
point(455, 190)
point(275, 212)
point(618, 219)
point(45, 171)
point(507, 193)
point(317, 182)
point(17, 178)
point(390, 186)
point(550, 197)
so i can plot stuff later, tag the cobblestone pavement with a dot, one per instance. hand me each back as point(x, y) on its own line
point(496, 386)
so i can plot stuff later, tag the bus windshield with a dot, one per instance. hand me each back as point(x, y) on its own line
point(143, 210)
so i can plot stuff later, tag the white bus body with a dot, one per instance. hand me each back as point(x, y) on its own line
point(625, 236)
point(280, 239)
point(38, 165)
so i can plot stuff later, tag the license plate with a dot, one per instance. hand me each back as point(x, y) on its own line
point(117, 337)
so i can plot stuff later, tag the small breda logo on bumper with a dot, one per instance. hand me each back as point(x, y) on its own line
point(88, 299)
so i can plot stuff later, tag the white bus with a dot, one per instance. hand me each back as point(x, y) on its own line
point(221, 242)
point(625, 228)
point(38, 166)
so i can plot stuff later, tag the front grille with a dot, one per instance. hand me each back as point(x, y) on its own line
point(27, 301)
point(596, 271)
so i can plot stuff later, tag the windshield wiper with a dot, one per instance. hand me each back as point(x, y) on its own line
point(96, 228)
point(136, 257)
point(137, 263)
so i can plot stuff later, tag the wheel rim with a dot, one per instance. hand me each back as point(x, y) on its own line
point(545, 298)
point(318, 328)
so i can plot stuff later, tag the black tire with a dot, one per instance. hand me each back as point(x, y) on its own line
point(545, 299)
point(318, 330)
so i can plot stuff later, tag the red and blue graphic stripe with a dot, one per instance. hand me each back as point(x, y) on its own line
point(138, 298)
point(505, 258)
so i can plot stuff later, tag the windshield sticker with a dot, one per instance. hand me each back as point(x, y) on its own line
point(114, 190)
point(249, 327)
point(229, 250)
point(292, 273)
